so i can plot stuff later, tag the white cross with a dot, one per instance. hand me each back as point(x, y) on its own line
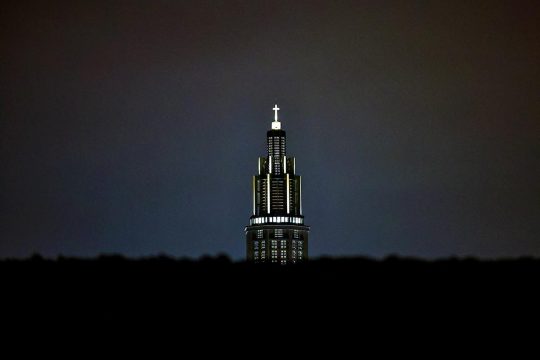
point(275, 112)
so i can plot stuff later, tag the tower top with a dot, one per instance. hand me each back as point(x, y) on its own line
point(276, 125)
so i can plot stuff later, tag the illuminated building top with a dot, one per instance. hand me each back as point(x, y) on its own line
point(277, 204)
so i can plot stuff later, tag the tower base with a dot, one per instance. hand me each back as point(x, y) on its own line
point(277, 243)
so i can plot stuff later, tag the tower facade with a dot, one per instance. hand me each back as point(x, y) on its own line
point(276, 232)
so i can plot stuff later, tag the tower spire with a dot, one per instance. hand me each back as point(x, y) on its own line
point(276, 125)
point(276, 232)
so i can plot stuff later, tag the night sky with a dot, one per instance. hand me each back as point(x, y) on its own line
point(134, 127)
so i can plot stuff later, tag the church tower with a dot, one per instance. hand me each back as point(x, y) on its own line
point(276, 232)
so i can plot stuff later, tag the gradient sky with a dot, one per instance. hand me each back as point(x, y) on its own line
point(134, 127)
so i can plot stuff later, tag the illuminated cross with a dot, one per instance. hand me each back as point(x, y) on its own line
point(275, 112)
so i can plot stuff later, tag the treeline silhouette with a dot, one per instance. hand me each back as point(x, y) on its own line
point(112, 270)
point(117, 283)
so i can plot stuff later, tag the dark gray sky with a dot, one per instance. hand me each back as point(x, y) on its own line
point(134, 127)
